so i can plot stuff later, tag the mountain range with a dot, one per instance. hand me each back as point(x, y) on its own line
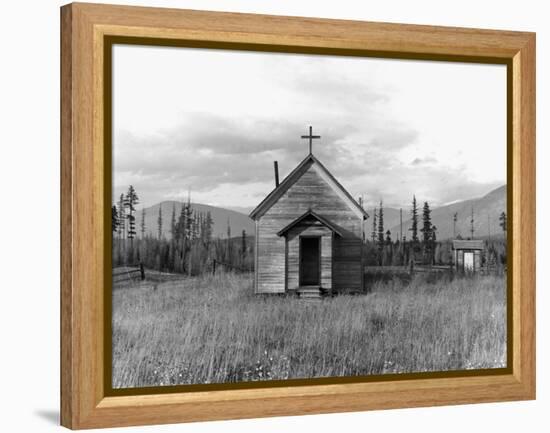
point(220, 216)
point(487, 210)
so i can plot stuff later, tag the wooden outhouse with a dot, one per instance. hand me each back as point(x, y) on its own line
point(309, 233)
point(467, 255)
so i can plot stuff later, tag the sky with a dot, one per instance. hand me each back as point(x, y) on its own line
point(211, 123)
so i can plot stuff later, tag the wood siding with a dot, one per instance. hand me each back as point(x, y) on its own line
point(308, 228)
point(310, 191)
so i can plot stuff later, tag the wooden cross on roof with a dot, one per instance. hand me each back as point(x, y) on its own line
point(311, 137)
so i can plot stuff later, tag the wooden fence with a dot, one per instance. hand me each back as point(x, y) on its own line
point(409, 269)
point(129, 273)
point(421, 268)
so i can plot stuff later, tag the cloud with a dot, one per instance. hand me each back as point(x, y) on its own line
point(218, 135)
point(424, 161)
point(331, 90)
point(437, 184)
point(206, 150)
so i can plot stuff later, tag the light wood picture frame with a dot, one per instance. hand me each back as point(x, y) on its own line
point(87, 33)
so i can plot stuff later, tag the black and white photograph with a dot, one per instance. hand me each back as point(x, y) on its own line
point(282, 216)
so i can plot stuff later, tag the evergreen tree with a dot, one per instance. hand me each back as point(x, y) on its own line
point(142, 225)
point(388, 238)
point(188, 220)
point(172, 243)
point(208, 223)
point(472, 224)
point(427, 232)
point(455, 218)
point(159, 223)
point(121, 217)
point(426, 224)
point(434, 243)
point(414, 218)
point(381, 226)
point(173, 222)
point(503, 221)
point(180, 225)
point(131, 200)
point(114, 219)
point(374, 225)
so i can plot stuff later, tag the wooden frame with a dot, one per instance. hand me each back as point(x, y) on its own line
point(85, 27)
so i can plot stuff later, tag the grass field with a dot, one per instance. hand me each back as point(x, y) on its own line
point(213, 329)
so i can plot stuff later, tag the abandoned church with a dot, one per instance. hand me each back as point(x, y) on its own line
point(309, 233)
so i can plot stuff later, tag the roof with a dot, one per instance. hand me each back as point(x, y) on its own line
point(473, 244)
point(296, 174)
point(318, 217)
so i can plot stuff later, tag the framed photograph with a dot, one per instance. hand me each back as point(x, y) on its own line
point(266, 215)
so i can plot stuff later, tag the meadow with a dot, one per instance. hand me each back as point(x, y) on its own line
point(213, 329)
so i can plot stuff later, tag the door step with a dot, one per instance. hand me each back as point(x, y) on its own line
point(309, 292)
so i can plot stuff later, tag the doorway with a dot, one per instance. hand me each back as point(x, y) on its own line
point(310, 261)
point(468, 261)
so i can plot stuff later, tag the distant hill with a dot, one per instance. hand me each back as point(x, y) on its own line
point(487, 210)
point(391, 218)
point(237, 221)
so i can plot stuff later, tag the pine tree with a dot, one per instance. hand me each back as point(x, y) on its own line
point(472, 224)
point(503, 221)
point(374, 226)
point(142, 225)
point(381, 226)
point(173, 222)
point(455, 218)
point(228, 244)
point(388, 237)
point(173, 240)
point(188, 220)
point(426, 224)
point(114, 219)
point(159, 223)
point(208, 223)
point(131, 200)
point(121, 217)
point(427, 232)
point(414, 217)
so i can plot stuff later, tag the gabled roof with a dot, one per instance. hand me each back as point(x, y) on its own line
point(469, 244)
point(318, 217)
point(296, 174)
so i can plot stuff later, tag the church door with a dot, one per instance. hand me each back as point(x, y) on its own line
point(310, 260)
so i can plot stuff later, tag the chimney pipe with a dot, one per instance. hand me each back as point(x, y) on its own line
point(276, 168)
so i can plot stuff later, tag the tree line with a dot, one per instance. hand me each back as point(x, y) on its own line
point(422, 246)
point(190, 249)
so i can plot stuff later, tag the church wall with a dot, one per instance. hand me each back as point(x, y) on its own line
point(310, 191)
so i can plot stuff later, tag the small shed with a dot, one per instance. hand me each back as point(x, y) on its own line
point(309, 233)
point(467, 255)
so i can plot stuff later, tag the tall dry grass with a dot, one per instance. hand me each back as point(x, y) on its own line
point(213, 329)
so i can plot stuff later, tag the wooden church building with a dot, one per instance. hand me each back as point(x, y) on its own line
point(309, 234)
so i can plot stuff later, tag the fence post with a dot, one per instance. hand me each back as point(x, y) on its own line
point(142, 271)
